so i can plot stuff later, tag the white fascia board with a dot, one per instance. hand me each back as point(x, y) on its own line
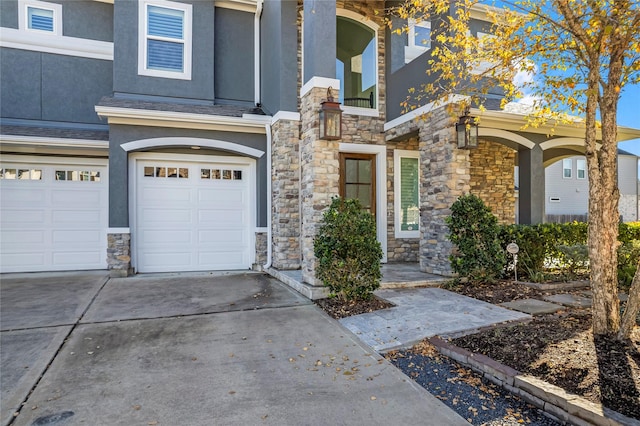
point(54, 142)
point(321, 82)
point(425, 109)
point(264, 119)
point(61, 45)
point(285, 115)
point(242, 5)
point(142, 117)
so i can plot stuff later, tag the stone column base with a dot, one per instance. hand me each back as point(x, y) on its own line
point(119, 254)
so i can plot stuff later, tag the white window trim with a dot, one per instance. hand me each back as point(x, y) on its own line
point(142, 39)
point(412, 50)
point(368, 112)
point(397, 210)
point(570, 168)
point(578, 168)
point(23, 15)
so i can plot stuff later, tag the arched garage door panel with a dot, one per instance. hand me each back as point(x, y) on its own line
point(193, 216)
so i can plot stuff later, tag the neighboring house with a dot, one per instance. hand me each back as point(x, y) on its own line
point(567, 188)
point(156, 135)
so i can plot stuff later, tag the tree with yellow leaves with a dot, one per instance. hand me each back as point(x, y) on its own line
point(582, 53)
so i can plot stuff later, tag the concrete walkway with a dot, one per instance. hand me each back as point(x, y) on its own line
point(190, 349)
point(425, 312)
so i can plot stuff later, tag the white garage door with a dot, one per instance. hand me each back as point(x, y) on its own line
point(53, 215)
point(193, 216)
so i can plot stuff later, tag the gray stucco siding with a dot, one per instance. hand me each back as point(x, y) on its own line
point(9, 13)
point(279, 57)
point(234, 55)
point(320, 32)
point(80, 18)
point(87, 19)
point(126, 78)
point(72, 86)
point(21, 72)
point(118, 164)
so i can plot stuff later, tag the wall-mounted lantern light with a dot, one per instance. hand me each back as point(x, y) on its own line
point(467, 131)
point(330, 119)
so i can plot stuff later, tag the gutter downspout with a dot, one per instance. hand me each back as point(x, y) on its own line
point(267, 265)
point(256, 52)
point(257, 98)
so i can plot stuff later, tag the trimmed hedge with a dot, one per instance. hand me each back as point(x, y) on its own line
point(543, 247)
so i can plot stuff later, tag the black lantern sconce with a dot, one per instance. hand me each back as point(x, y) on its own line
point(330, 119)
point(467, 131)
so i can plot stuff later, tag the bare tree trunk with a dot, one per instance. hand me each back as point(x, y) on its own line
point(632, 308)
point(603, 216)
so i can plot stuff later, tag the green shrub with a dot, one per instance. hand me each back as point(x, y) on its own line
point(575, 259)
point(628, 259)
point(539, 245)
point(348, 251)
point(474, 231)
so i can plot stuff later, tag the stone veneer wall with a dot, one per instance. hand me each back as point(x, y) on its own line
point(398, 249)
point(261, 251)
point(319, 178)
point(444, 177)
point(492, 178)
point(285, 181)
point(319, 164)
point(119, 254)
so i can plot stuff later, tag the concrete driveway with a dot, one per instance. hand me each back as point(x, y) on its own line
point(190, 349)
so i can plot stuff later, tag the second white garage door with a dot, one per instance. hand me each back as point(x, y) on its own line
point(193, 216)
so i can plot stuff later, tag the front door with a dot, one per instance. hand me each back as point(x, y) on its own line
point(357, 179)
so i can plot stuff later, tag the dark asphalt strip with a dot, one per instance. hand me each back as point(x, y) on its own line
point(467, 393)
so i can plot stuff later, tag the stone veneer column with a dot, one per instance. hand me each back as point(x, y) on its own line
point(285, 177)
point(445, 177)
point(492, 178)
point(119, 253)
point(319, 176)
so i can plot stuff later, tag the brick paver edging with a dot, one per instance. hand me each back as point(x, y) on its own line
point(563, 406)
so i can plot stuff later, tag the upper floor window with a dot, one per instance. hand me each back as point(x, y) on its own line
point(567, 168)
point(581, 169)
point(40, 16)
point(419, 39)
point(357, 63)
point(164, 47)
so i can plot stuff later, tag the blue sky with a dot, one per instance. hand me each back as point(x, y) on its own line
point(629, 116)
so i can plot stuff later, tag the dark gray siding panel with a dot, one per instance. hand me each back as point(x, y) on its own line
point(126, 78)
point(279, 56)
point(411, 75)
point(118, 167)
point(72, 86)
point(319, 39)
point(234, 60)
point(9, 13)
point(87, 19)
point(21, 78)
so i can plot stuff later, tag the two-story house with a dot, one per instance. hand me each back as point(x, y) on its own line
point(185, 135)
point(567, 188)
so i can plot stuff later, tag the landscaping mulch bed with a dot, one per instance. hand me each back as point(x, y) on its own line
point(337, 308)
point(558, 348)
